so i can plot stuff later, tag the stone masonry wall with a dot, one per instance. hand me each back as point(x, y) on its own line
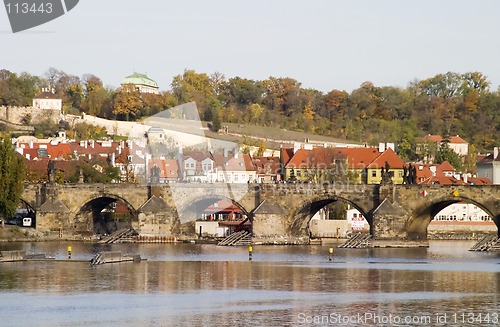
point(15, 114)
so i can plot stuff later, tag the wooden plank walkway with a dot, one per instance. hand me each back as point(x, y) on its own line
point(112, 257)
point(357, 241)
point(487, 243)
point(237, 239)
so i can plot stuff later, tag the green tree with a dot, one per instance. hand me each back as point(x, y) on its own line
point(216, 123)
point(11, 178)
point(445, 153)
point(95, 95)
point(470, 160)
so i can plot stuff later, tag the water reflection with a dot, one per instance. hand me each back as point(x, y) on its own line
point(195, 285)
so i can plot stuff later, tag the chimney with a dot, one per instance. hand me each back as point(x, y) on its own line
point(381, 147)
point(122, 144)
point(495, 152)
point(113, 159)
point(31, 144)
point(225, 153)
point(296, 147)
point(465, 176)
point(91, 143)
point(119, 149)
point(235, 153)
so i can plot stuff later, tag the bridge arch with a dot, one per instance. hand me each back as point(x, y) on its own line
point(418, 224)
point(199, 203)
point(104, 213)
point(306, 210)
point(195, 212)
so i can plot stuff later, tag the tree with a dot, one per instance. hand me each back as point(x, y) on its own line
point(262, 148)
point(216, 123)
point(128, 103)
point(95, 95)
point(445, 153)
point(470, 160)
point(255, 110)
point(11, 178)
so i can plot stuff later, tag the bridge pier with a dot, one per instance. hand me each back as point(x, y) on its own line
point(269, 220)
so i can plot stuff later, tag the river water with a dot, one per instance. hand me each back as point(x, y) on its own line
point(207, 285)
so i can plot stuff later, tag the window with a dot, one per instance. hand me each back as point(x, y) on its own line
point(374, 173)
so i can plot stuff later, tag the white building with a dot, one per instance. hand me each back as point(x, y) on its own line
point(462, 211)
point(489, 167)
point(47, 100)
point(456, 143)
point(141, 83)
point(233, 168)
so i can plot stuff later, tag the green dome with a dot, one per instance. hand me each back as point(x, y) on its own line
point(139, 79)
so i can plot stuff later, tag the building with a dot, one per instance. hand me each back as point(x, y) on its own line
point(47, 100)
point(232, 168)
point(221, 219)
point(167, 170)
point(456, 143)
point(358, 165)
point(489, 167)
point(268, 169)
point(197, 166)
point(142, 83)
point(445, 174)
point(462, 211)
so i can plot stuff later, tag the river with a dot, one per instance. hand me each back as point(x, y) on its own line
point(207, 285)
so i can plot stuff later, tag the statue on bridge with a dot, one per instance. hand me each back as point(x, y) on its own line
point(51, 171)
point(386, 174)
point(410, 174)
point(155, 175)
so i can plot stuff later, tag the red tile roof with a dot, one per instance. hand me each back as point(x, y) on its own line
point(390, 157)
point(267, 165)
point(438, 139)
point(358, 158)
point(445, 167)
point(223, 205)
point(168, 167)
point(317, 157)
point(243, 162)
point(286, 154)
point(59, 151)
point(443, 180)
point(479, 181)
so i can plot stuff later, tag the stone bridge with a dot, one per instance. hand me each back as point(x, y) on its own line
point(394, 212)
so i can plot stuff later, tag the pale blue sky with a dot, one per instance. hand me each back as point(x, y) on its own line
point(325, 44)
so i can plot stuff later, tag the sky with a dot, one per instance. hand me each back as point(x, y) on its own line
point(324, 44)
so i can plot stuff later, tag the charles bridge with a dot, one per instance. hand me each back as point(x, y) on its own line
point(394, 212)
